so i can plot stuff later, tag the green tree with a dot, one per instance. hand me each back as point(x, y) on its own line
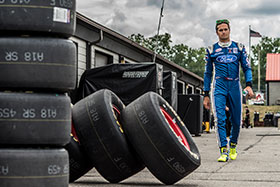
point(140, 39)
point(162, 43)
point(259, 51)
point(189, 58)
point(197, 62)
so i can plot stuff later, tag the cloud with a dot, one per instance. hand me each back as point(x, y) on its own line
point(156, 3)
point(118, 21)
point(93, 5)
point(267, 7)
point(191, 22)
point(136, 4)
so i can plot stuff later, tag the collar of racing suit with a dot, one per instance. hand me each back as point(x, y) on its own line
point(222, 44)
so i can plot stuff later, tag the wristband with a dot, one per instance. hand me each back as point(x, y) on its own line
point(206, 93)
point(249, 84)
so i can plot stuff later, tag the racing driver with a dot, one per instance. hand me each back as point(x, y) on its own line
point(225, 58)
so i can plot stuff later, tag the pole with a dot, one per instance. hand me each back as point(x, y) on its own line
point(259, 70)
point(159, 23)
point(249, 44)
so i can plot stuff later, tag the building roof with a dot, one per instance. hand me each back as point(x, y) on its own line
point(273, 67)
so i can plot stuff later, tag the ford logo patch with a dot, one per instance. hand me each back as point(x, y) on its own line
point(226, 58)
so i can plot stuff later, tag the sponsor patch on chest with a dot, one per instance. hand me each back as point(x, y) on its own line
point(226, 58)
point(218, 50)
point(233, 50)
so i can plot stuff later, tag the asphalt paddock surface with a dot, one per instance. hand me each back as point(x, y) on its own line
point(257, 164)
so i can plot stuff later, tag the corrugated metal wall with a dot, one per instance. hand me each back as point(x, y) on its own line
point(273, 67)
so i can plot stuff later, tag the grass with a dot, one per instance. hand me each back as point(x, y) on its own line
point(261, 109)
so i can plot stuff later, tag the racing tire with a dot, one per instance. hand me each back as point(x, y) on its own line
point(160, 138)
point(79, 163)
point(37, 63)
point(96, 120)
point(40, 17)
point(34, 167)
point(34, 119)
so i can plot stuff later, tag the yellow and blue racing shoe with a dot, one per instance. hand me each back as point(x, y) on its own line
point(232, 151)
point(224, 155)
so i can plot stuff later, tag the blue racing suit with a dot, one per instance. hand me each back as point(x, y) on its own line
point(224, 59)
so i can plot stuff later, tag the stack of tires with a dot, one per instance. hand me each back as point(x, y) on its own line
point(122, 140)
point(37, 68)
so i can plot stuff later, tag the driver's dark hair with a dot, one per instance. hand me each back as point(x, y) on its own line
point(225, 22)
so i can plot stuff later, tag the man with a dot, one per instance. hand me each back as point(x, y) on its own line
point(247, 117)
point(228, 123)
point(224, 58)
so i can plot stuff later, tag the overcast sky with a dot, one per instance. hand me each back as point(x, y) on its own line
point(191, 22)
